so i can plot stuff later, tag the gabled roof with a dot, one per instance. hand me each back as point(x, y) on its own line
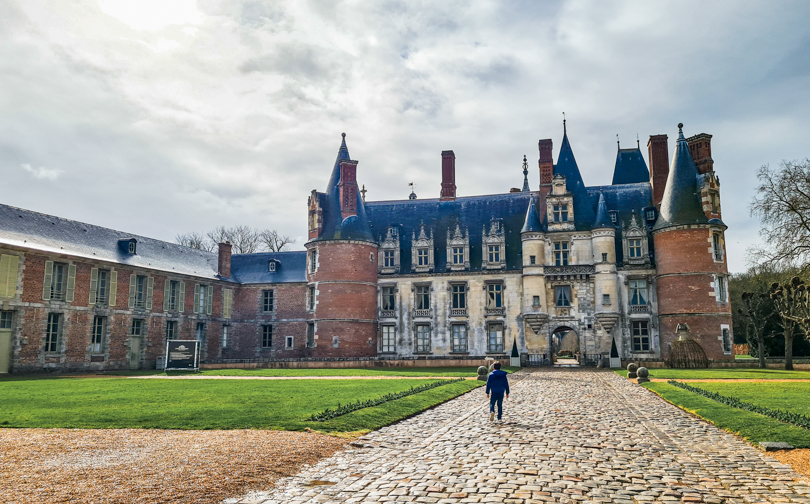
point(254, 268)
point(531, 223)
point(630, 167)
point(24, 228)
point(567, 166)
point(681, 203)
point(334, 226)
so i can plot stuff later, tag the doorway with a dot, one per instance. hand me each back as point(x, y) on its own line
point(6, 318)
point(565, 345)
point(135, 352)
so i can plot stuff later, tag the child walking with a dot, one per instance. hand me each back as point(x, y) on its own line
point(498, 385)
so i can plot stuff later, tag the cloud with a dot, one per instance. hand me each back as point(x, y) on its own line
point(42, 173)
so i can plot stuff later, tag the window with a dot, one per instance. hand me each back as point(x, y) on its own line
point(201, 304)
point(563, 295)
point(52, 332)
point(423, 297)
point(311, 298)
point(388, 298)
point(494, 253)
point(388, 342)
point(97, 338)
point(200, 332)
point(131, 247)
point(604, 257)
point(310, 334)
point(561, 253)
point(267, 336)
point(458, 255)
point(423, 338)
point(371, 257)
point(716, 246)
point(140, 291)
point(495, 340)
point(459, 337)
point(532, 260)
point(171, 329)
point(422, 257)
point(641, 336)
point(560, 213)
point(103, 287)
point(5, 320)
point(605, 299)
point(225, 333)
point(650, 214)
point(726, 340)
point(495, 295)
point(288, 342)
point(174, 292)
point(638, 292)
point(137, 327)
point(635, 247)
point(59, 282)
point(388, 259)
point(613, 216)
point(313, 260)
point(459, 293)
point(721, 289)
point(535, 301)
point(268, 302)
point(714, 200)
point(271, 266)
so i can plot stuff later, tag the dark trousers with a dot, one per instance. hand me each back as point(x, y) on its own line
point(496, 397)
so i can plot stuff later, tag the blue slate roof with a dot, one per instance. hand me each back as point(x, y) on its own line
point(681, 203)
point(472, 213)
point(334, 226)
point(625, 199)
point(584, 214)
point(25, 228)
point(532, 222)
point(602, 217)
point(254, 268)
point(630, 167)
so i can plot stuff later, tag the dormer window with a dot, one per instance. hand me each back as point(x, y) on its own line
point(271, 266)
point(614, 217)
point(128, 246)
point(458, 249)
point(389, 252)
point(634, 244)
point(422, 257)
point(650, 214)
point(560, 213)
point(494, 253)
point(422, 251)
point(131, 247)
point(494, 246)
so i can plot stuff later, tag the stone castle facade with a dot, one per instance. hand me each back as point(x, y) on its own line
point(593, 273)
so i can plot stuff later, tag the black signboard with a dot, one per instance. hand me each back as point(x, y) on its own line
point(181, 355)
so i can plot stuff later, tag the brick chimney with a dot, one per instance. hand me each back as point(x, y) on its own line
point(448, 176)
point(700, 146)
point(224, 260)
point(546, 161)
point(348, 188)
point(658, 151)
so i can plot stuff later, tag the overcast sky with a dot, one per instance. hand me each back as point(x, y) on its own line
point(158, 117)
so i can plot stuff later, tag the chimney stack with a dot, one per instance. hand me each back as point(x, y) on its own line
point(658, 151)
point(448, 176)
point(348, 188)
point(700, 146)
point(546, 161)
point(224, 260)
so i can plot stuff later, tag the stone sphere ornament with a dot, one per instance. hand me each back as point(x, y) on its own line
point(643, 375)
point(631, 370)
point(482, 373)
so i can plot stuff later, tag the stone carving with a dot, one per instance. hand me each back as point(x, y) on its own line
point(482, 373)
point(631, 370)
point(642, 375)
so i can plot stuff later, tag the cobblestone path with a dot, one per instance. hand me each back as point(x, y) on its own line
point(567, 436)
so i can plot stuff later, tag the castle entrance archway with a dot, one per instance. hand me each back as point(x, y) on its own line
point(565, 344)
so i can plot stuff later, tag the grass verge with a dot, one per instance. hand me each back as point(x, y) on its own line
point(109, 403)
point(460, 372)
point(752, 426)
point(724, 374)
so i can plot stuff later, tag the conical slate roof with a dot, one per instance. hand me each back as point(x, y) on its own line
point(681, 203)
point(630, 167)
point(602, 217)
point(532, 222)
point(567, 166)
point(334, 227)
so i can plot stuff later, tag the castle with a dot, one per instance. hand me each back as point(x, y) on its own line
point(592, 273)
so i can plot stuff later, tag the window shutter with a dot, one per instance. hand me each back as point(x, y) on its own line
point(71, 283)
point(9, 265)
point(209, 299)
point(46, 283)
point(111, 298)
point(133, 284)
point(227, 303)
point(181, 300)
point(93, 285)
point(150, 289)
point(167, 287)
point(196, 298)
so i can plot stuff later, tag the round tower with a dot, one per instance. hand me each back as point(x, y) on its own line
point(604, 260)
point(535, 303)
point(691, 269)
point(341, 268)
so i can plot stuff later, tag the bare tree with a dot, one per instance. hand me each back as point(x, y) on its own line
point(194, 240)
point(275, 242)
point(757, 310)
point(791, 302)
point(783, 207)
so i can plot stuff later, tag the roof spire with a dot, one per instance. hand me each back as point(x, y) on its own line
point(564, 131)
point(617, 142)
point(602, 217)
point(680, 131)
point(638, 143)
point(525, 175)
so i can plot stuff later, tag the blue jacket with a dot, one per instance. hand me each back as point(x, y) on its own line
point(497, 382)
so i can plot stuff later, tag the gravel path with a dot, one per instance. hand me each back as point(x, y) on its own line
point(46, 466)
point(569, 435)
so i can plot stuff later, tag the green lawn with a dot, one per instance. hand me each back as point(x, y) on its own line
point(752, 426)
point(793, 397)
point(733, 373)
point(415, 371)
point(107, 403)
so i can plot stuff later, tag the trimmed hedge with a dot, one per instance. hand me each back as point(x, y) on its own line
point(329, 414)
point(783, 416)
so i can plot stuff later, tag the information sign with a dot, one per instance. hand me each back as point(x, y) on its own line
point(182, 355)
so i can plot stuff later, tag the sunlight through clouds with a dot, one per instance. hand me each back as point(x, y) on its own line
point(152, 14)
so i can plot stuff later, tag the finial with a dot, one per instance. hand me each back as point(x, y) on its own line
point(343, 135)
point(525, 175)
point(564, 131)
point(638, 142)
point(413, 194)
point(619, 145)
point(525, 165)
point(363, 192)
point(680, 127)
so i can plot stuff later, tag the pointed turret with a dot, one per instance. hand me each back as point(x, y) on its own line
point(602, 217)
point(681, 203)
point(532, 222)
point(567, 166)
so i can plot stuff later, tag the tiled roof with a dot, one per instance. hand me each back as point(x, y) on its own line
point(630, 167)
point(567, 165)
point(254, 268)
point(681, 203)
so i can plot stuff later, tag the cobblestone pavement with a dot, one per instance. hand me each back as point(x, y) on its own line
point(567, 436)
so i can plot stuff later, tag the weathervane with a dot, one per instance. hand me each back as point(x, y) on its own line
point(617, 142)
point(363, 192)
